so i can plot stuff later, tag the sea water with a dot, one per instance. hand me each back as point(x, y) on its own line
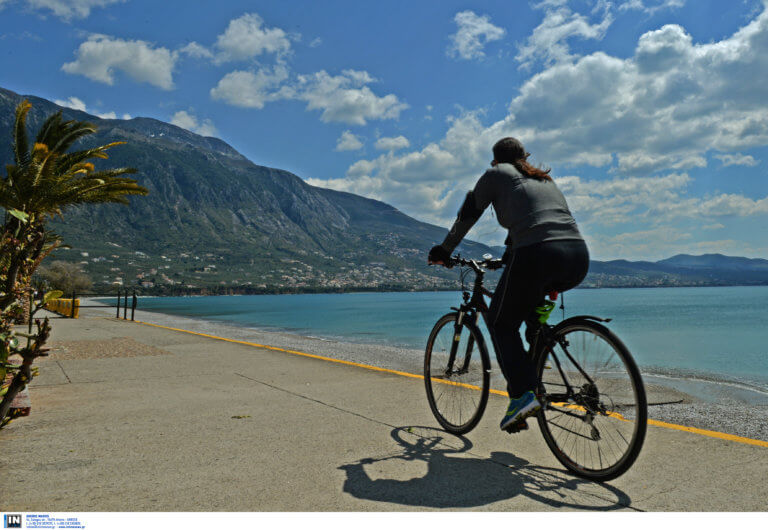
point(691, 338)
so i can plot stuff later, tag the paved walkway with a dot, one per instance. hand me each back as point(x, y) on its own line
point(132, 417)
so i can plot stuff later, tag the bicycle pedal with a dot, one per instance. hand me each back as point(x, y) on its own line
point(521, 425)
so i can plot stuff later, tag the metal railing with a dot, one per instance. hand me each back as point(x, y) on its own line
point(70, 307)
point(134, 301)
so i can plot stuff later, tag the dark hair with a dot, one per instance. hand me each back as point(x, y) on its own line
point(510, 151)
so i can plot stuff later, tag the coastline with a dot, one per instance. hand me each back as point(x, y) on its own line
point(246, 291)
point(667, 404)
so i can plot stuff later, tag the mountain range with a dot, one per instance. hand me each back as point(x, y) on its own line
point(216, 222)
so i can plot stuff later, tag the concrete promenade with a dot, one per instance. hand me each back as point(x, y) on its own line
point(132, 417)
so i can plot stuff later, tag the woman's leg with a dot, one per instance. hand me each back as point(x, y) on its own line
point(528, 277)
point(516, 296)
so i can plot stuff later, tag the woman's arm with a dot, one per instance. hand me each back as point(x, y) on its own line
point(473, 207)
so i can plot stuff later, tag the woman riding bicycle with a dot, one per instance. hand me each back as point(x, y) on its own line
point(545, 252)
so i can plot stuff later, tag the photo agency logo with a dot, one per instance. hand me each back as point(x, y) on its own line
point(12, 520)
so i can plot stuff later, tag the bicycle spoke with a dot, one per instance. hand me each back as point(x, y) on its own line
point(594, 431)
point(457, 393)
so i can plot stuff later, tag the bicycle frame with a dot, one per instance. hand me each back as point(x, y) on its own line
point(543, 343)
point(574, 403)
point(469, 309)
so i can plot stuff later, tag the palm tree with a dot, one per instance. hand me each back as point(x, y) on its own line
point(43, 181)
point(45, 178)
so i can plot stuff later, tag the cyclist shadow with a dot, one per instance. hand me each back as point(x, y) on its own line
point(468, 480)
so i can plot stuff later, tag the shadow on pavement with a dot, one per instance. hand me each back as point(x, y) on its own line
point(437, 470)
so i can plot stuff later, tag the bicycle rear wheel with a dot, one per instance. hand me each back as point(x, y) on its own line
point(595, 413)
point(456, 374)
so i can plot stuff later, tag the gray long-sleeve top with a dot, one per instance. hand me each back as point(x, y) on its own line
point(532, 210)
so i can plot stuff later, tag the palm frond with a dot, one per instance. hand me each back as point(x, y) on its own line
point(70, 159)
point(52, 123)
point(49, 179)
point(20, 139)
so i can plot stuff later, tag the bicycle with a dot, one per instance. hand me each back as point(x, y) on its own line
point(594, 408)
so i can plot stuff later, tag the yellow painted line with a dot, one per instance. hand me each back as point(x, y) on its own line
point(694, 430)
point(712, 434)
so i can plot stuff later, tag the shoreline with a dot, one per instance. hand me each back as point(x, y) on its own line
point(706, 386)
point(666, 403)
point(236, 291)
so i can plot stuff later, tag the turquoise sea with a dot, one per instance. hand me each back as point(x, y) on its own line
point(683, 335)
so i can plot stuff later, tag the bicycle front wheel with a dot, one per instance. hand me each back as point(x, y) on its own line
point(456, 374)
point(595, 409)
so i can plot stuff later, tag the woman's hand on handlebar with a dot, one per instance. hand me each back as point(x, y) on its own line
point(438, 255)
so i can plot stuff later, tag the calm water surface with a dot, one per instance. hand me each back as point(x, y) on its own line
point(699, 333)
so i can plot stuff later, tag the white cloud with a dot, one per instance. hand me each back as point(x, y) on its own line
point(247, 37)
point(548, 42)
point(69, 9)
point(731, 204)
point(100, 56)
point(348, 142)
point(196, 51)
point(665, 107)
point(473, 33)
point(78, 104)
point(650, 6)
point(651, 200)
point(429, 182)
point(345, 98)
point(187, 120)
point(72, 103)
point(737, 159)
point(316, 42)
point(251, 90)
point(392, 144)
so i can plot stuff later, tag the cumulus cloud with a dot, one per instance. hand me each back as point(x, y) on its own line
point(187, 120)
point(429, 182)
point(78, 104)
point(652, 201)
point(196, 51)
point(664, 107)
point(346, 98)
point(72, 103)
point(69, 9)
point(737, 159)
point(247, 37)
point(251, 89)
point(650, 6)
point(473, 33)
point(100, 56)
point(548, 42)
point(392, 143)
point(348, 142)
point(645, 119)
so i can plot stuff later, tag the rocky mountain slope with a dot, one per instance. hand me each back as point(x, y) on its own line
point(211, 208)
point(216, 222)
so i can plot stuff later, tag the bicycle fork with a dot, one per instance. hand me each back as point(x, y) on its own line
point(455, 345)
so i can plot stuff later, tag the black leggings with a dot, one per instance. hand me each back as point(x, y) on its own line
point(530, 273)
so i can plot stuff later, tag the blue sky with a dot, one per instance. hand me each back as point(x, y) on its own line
point(652, 114)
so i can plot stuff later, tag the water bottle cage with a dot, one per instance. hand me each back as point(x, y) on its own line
point(544, 310)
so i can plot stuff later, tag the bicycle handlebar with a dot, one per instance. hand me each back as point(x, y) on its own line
point(490, 263)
